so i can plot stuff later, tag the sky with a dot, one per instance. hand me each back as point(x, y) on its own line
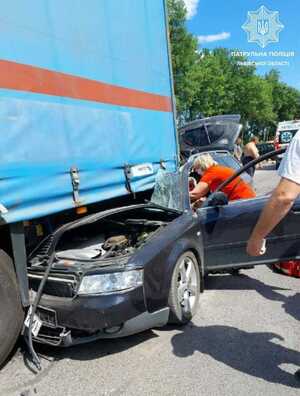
point(218, 23)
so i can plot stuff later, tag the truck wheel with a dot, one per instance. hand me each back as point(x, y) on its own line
point(185, 289)
point(11, 312)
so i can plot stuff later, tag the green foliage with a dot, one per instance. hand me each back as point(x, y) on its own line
point(286, 100)
point(214, 82)
point(184, 55)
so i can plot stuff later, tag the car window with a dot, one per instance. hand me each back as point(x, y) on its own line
point(223, 158)
point(215, 131)
point(286, 136)
point(265, 178)
point(168, 190)
point(226, 159)
point(208, 134)
point(264, 148)
point(196, 137)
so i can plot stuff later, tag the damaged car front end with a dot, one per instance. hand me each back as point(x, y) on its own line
point(95, 287)
point(128, 269)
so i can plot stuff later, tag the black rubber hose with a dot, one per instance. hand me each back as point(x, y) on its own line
point(50, 258)
point(35, 358)
point(249, 165)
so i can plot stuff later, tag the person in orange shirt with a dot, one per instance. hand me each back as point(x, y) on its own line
point(213, 175)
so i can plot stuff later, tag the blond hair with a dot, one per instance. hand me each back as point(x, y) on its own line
point(204, 161)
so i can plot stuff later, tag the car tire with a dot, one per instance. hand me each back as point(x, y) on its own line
point(185, 289)
point(11, 311)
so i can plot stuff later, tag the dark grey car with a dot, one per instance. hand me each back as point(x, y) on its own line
point(127, 269)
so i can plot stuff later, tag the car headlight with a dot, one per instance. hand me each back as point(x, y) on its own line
point(111, 282)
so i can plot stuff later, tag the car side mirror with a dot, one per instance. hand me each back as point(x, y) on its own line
point(216, 199)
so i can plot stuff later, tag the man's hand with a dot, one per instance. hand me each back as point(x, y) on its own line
point(276, 209)
point(197, 204)
point(256, 247)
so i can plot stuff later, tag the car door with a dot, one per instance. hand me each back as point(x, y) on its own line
point(226, 230)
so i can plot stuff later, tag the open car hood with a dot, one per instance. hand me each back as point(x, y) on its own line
point(212, 133)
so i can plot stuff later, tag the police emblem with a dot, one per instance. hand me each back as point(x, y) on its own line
point(263, 26)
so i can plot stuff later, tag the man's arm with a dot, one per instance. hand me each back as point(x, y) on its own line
point(276, 208)
point(201, 190)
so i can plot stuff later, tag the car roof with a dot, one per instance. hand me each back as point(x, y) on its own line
point(288, 125)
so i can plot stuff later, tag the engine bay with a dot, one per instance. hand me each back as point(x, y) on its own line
point(115, 236)
point(113, 239)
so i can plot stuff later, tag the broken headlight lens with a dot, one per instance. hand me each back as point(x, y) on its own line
point(111, 282)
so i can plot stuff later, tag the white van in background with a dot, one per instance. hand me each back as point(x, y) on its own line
point(286, 130)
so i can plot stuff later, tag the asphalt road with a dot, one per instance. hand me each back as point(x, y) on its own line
point(245, 339)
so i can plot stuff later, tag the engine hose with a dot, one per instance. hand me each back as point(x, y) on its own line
point(28, 339)
point(49, 258)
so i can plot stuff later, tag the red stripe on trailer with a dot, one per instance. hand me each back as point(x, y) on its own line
point(29, 78)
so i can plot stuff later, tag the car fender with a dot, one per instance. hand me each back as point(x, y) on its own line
point(157, 282)
point(181, 246)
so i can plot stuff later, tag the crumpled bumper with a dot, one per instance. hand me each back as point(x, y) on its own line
point(67, 321)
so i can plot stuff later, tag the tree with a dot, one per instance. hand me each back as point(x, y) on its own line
point(223, 86)
point(184, 56)
point(286, 100)
point(215, 82)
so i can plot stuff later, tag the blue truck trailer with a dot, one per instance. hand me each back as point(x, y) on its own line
point(87, 120)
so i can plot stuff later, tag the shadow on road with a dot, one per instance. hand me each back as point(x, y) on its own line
point(291, 304)
point(96, 349)
point(251, 353)
point(102, 348)
point(50, 356)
